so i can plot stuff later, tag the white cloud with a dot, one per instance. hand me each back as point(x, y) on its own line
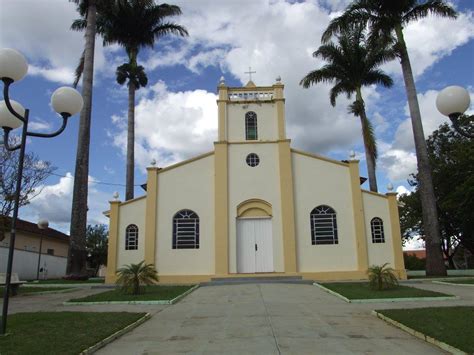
point(275, 38)
point(397, 164)
point(170, 126)
point(398, 158)
point(39, 125)
point(54, 204)
point(41, 31)
point(432, 38)
point(402, 190)
point(61, 75)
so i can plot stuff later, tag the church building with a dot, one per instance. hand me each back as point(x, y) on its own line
point(255, 206)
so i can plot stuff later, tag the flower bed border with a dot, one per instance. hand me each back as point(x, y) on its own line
point(92, 349)
point(162, 302)
point(377, 300)
point(420, 335)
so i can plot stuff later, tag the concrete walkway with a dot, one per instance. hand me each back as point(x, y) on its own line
point(258, 319)
point(274, 319)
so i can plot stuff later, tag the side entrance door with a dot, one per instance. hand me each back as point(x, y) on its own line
point(254, 245)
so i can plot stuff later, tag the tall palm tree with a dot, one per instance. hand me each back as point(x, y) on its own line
point(136, 24)
point(351, 65)
point(77, 255)
point(386, 19)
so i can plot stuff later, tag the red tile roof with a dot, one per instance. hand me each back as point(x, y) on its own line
point(25, 226)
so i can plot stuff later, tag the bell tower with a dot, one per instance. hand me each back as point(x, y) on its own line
point(251, 113)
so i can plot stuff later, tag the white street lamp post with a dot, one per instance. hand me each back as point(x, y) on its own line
point(453, 101)
point(65, 101)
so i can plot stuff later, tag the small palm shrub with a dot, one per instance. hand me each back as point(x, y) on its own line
point(131, 277)
point(382, 277)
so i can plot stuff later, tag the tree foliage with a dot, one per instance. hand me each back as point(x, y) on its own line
point(35, 172)
point(452, 158)
point(351, 64)
point(132, 276)
point(96, 245)
point(385, 20)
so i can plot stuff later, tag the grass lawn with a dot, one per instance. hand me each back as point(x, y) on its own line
point(451, 325)
point(61, 281)
point(152, 293)
point(361, 290)
point(25, 290)
point(466, 281)
point(60, 332)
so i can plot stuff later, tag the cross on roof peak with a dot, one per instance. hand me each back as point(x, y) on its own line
point(250, 72)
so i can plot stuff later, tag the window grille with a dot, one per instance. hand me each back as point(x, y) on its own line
point(50, 251)
point(131, 237)
point(252, 159)
point(251, 126)
point(186, 230)
point(323, 225)
point(376, 225)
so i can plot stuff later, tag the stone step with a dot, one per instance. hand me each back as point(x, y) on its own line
point(219, 281)
point(258, 278)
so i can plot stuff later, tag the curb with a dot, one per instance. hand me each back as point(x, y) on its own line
point(48, 292)
point(332, 292)
point(178, 298)
point(378, 300)
point(422, 336)
point(452, 284)
point(92, 349)
point(157, 302)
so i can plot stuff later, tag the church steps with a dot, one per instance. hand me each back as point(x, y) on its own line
point(217, 281)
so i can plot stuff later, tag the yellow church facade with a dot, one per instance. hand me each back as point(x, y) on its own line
point(254, 206)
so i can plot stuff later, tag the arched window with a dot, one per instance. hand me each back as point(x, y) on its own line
point(251, 126)
point(131, 237)
point(323, 225)
point(186, 230)
point(376, 225)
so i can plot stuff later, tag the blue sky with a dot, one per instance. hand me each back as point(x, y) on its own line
point(177, 113)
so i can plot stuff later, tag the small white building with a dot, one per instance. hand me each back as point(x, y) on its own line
point(29, 240)
point(255, 206)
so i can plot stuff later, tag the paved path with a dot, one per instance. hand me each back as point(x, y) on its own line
point(258, 319)
point(53, 302)
point(274, 319)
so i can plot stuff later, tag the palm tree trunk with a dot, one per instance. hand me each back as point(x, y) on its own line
point(129, 189)
point(434, 256)
point(369, 149)
point(77, 250)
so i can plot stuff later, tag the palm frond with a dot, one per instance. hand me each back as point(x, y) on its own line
point(368, 135)
point(323, 75)
point(79, 70)
point(340, 88)
point(79, 24)
point(382, 277)
point(122, 73)
point(132, 277)
point(170, 28)
point(431, 7)
point(377, 76)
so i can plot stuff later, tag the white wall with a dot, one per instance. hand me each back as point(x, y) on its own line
point(190, 186)
point(261, 182)
point(25, 264)
point(131, 213)
point(318, 182)
point(267, 122)
point(377, 206)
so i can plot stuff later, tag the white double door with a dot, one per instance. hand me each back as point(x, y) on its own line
point(254, 245)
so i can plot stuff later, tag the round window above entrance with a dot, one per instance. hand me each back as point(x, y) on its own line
point(252, 159)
